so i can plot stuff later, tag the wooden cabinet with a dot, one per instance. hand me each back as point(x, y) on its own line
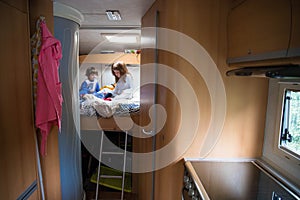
point(18, 4)
point(167, 180)
point(258, 30)
point(144, 185)
point(17, 144)
point(203, 21)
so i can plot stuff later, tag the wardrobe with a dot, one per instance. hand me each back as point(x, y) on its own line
point(18, 169)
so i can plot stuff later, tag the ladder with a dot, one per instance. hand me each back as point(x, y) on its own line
point(111, 176)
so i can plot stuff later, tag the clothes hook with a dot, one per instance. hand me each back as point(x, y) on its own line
point(42, 18)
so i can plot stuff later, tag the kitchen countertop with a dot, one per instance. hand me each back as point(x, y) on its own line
point(236, 180)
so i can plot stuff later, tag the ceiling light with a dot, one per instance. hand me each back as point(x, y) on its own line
point(122, 38)
point(107, 51)
point(113, 15)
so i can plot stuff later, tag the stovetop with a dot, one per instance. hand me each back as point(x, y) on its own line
point(236, 180)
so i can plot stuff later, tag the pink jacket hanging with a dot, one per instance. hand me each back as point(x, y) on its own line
point(49, 96)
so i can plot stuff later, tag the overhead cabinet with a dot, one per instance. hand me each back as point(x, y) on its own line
point(262, 30)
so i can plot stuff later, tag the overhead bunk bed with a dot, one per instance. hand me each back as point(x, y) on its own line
point(106, 111)
point(98, 114)
point(115, 116)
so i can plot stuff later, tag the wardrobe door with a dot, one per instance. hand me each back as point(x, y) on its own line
point(17, 144)
point(144, 186)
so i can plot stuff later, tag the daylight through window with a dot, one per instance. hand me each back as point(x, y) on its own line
point(290, 131)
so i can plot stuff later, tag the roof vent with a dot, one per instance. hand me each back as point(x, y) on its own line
point(113, 15)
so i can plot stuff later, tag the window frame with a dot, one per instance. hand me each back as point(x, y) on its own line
point(283, 161)
point(283, 88)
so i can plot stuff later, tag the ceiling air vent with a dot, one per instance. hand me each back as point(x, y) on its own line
point(113, 15)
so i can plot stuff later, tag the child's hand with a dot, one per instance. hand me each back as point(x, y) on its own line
point(108, 95)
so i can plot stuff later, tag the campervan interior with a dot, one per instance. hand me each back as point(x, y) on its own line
point(212, 110)
point(117, 40)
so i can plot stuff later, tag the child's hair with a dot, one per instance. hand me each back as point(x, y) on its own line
point(121, 67)
point(91, 70)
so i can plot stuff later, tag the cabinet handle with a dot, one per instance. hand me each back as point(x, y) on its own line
point(147, 132)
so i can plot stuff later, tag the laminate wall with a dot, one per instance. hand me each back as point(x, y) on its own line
point(231, 110)
point(18, 169)
point(50, 164)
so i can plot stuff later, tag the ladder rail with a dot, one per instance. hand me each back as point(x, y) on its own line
point(110, 176)
point(124, 165)
point(99, 164)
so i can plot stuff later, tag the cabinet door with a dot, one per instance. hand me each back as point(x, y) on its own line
point(17, 147)
point(258, 30)
point(19, 4)
point(294, 49)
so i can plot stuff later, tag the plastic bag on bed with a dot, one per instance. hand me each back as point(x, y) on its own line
point(104, 108)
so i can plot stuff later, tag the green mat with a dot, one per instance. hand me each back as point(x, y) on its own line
point(113, 183)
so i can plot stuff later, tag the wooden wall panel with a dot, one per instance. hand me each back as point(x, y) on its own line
point(169, 181)
point(209, 30)
point(144, 184)
point(50, 163)
point(242, 134)
point(41, 8)
point(110, 58)
point(295, 31)
point(243, 131)
point(20, 5)
point(17, 145)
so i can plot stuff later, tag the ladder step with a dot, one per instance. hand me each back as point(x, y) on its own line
point(110, 151)
point(111, 176)
point(113, 153)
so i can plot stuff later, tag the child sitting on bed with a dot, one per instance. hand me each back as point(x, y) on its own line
point(124, 82)
point(90, 85)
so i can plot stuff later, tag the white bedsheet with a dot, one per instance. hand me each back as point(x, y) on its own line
point(121, 107)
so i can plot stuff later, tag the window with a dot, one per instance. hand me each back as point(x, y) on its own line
point(290, 129)
point(282, 132)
